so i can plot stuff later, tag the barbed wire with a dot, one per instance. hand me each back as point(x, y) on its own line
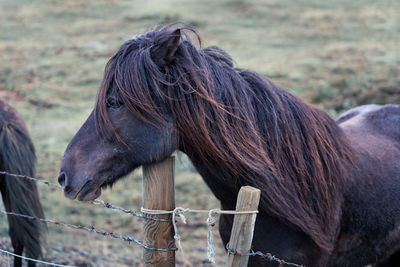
point(30, 178)
point(35, 260)
point(131, 212)
point(266, 256)
point(91, 229)
point(179, 211)
point(96, 201)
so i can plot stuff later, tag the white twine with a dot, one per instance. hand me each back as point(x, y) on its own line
point(179, 211)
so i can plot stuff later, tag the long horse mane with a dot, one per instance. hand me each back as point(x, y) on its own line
point(265, 136)
point(17, 155)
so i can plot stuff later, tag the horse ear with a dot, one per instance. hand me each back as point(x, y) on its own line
point(164, 53)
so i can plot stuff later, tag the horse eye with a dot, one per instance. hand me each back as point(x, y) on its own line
point(113, 103)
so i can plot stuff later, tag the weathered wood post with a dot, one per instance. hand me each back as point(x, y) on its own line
point(243, 226)
point(158, 194)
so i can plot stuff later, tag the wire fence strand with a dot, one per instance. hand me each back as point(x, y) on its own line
point(266, 256)
point(30, 259)
point(96, 201)
point(179, 211)
point(131, 212)
point(89, 229)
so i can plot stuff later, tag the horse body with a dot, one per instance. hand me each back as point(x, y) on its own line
point(371, 214)
point(17, 155)
point(281, 239)
point(370, 223)
point(329, 190)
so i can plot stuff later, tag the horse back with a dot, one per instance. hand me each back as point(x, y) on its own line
point(383, 121)
point(371, 212)
point(8, 115)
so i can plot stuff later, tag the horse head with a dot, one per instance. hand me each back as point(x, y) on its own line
point(122, 134)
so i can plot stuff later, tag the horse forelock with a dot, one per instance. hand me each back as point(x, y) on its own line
point(265, 136)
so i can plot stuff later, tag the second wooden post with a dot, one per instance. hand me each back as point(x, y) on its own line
point(243, 226)
point(158, 194)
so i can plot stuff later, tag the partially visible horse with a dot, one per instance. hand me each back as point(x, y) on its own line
point(330, 190)
point(17, 156)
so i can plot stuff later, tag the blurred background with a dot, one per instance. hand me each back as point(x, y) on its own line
point(334, 54)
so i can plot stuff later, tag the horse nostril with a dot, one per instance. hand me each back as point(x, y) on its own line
point(61, 179)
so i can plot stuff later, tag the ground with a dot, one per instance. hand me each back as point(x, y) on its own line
point(334, 54)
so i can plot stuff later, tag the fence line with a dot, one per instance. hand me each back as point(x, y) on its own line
point(96, 201)
point(179, 211)
point(131, 212)
point(89, 229)
point(35, 260)
point(267, 256)
point(30, 178)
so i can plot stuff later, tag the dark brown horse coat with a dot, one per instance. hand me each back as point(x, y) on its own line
point(17, 156)
point(330, 192)
point(371, 204)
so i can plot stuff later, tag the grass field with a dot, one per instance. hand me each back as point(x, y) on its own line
point(334, 54)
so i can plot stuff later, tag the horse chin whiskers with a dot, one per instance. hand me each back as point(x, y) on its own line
point(111, 179)
point(90, 196)
point(108, 183)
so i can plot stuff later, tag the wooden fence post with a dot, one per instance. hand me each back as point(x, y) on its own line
point(243, 226)
point(158, 194)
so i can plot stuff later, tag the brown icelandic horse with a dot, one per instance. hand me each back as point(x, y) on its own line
point(330, 190)
point(17, 156)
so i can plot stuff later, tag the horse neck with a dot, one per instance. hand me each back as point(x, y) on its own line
point(299, 143)
point(218, 178)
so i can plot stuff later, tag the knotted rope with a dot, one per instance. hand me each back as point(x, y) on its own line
point(180, 211)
